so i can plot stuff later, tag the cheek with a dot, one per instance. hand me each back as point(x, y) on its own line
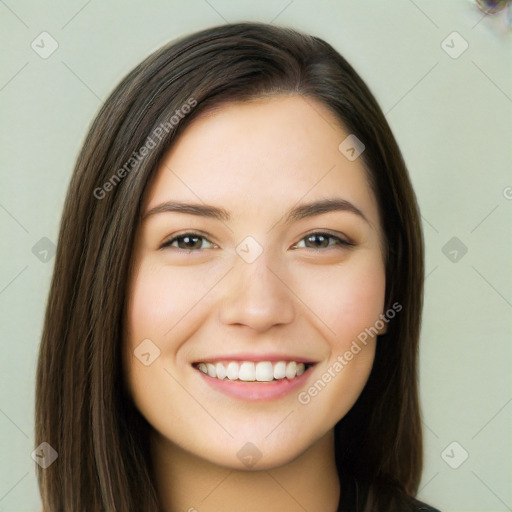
point(152, 309)
point(159, 298)
point(165, 305)
point(346, 299)
point(349, 302)
point(362, 301)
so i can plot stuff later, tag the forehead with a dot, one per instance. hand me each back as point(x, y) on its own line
point(262, 155)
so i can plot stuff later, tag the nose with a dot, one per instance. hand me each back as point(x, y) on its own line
point(257, 296)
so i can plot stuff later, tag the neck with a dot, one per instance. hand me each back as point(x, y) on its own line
point(188, 483)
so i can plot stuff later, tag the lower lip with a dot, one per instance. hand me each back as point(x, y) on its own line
point(257, 390)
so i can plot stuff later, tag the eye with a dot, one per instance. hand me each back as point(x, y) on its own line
point(191, 241)
point(323, 241)
point(187, 242)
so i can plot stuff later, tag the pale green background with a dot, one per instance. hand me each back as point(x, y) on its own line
point(452, 119)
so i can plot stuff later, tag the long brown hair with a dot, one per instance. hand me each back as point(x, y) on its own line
point(82, 408)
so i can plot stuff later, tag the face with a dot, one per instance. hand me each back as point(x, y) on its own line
point(266, 291)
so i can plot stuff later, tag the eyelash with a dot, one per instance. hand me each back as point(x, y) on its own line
point(339, 241)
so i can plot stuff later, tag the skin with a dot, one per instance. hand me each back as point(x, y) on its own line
point(256, 159)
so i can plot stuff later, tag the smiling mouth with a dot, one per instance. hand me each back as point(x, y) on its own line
point(249, 371)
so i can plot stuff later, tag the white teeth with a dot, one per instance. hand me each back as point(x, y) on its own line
point(211, 370)
point(264, 371)
point(280, 370)
point(221, 371)
point(248, 371)
point(291, 370)
point(232, 371)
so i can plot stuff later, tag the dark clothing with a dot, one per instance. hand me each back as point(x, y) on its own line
point(427, 508)
point(418, 507)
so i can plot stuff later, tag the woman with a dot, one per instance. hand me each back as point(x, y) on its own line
point(234, 315)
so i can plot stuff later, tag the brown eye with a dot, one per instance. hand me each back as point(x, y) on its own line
point(186, 242)
point(323, 241)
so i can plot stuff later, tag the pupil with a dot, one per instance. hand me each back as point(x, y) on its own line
point(325, 239)
point(187, 240)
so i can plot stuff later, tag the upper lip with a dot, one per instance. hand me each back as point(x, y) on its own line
point(255, 357)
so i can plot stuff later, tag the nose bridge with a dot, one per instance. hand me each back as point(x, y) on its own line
point(256, 294)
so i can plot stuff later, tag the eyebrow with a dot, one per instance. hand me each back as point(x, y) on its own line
point(293, 215)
